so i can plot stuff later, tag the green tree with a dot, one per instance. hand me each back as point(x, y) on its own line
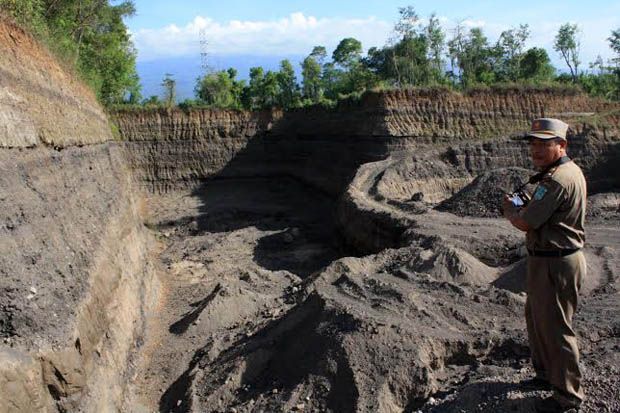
point(471, 55)
point(288, 88)
point(510, 50)
point(28, 13)
point(413, 54)
point(407, 24)
point(332, 80)
point(270, 91)
point(169, 86)
point(216, 89)
point(311, 78)
point(600, 80)
point(436, 44)
point(90, 34)
point(535, 65)
point(410, 62)
point(263, 90)
point(319, 53)
point(567, 44)
point(253, 91)
point(614, 43)
point(347, 53)
point(151, 101)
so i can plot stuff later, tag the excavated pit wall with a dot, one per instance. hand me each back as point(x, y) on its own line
point(175, 149)
point(76, 279)
point(441, 141)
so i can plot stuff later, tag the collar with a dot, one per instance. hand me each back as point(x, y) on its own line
point(540, 175)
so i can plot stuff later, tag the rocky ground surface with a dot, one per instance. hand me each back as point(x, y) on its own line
point(264, 309)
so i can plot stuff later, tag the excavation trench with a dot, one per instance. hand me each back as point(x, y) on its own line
point(233, 253)
point(232, 286)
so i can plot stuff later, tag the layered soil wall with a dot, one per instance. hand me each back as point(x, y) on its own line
point(324, 147)
point(76, 279)
point(40, 102)
point(435, 142)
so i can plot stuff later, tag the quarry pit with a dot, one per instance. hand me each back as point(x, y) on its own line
point(351, 259)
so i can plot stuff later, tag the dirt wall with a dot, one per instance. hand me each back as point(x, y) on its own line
point(324, 147)
point(40, 102)
point(76, 278)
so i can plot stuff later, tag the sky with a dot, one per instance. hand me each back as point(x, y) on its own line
point(165, 30)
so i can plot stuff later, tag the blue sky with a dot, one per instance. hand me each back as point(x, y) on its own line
point(163, 30)
point(155, 13)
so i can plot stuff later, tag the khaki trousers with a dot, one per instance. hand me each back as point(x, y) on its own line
point(553, 285)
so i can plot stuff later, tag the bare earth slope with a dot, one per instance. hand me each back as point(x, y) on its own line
point(76, 279)
point(40, 103)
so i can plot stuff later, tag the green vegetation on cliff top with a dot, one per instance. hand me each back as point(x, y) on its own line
point(91, 36)
point(87, 35)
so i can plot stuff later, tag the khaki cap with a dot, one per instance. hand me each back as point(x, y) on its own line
point(548, 128)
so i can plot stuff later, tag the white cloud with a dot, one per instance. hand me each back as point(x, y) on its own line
point(294, 34)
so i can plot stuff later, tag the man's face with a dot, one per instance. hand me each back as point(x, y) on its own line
point(546, 151)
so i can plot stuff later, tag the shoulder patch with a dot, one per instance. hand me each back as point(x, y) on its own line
point(540, 193)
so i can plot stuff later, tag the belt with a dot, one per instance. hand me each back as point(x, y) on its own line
point(553, 253)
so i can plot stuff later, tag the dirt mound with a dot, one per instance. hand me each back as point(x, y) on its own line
point(450, 263)
point(483, 196)
point(604, 206)
point(335, 350)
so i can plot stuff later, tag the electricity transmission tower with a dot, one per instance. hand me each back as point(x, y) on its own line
point(204, 52)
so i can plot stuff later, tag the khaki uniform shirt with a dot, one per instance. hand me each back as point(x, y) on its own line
point(557, 210)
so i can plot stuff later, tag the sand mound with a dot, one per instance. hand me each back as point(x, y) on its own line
point(335, 351)
point(483, 196)
point(604, 206)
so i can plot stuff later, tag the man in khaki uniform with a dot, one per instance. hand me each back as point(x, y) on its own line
point(554, 222)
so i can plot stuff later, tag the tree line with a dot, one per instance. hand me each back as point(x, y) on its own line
point(90, 37)
point(420, 53)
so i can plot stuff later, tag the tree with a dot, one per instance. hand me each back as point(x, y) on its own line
point(319, 53)
point(311, 74)
point(510, 47)
point(28, 13)
point(263, 90)
point(270, 91)
point(407, 24)
point(567, 44)
point(535, 65)
point(456, 50)
point(436, 43)
point(91, 35)
point(253, 92)
point(600, 80)
point(288, 88)
point(331, 79)
point(169, 86)
point(471, 55)
point(347, 53)
point(220, 89)
point(414, 52)
point(614, 43)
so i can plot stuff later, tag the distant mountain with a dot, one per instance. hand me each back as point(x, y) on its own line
point(185, 70)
